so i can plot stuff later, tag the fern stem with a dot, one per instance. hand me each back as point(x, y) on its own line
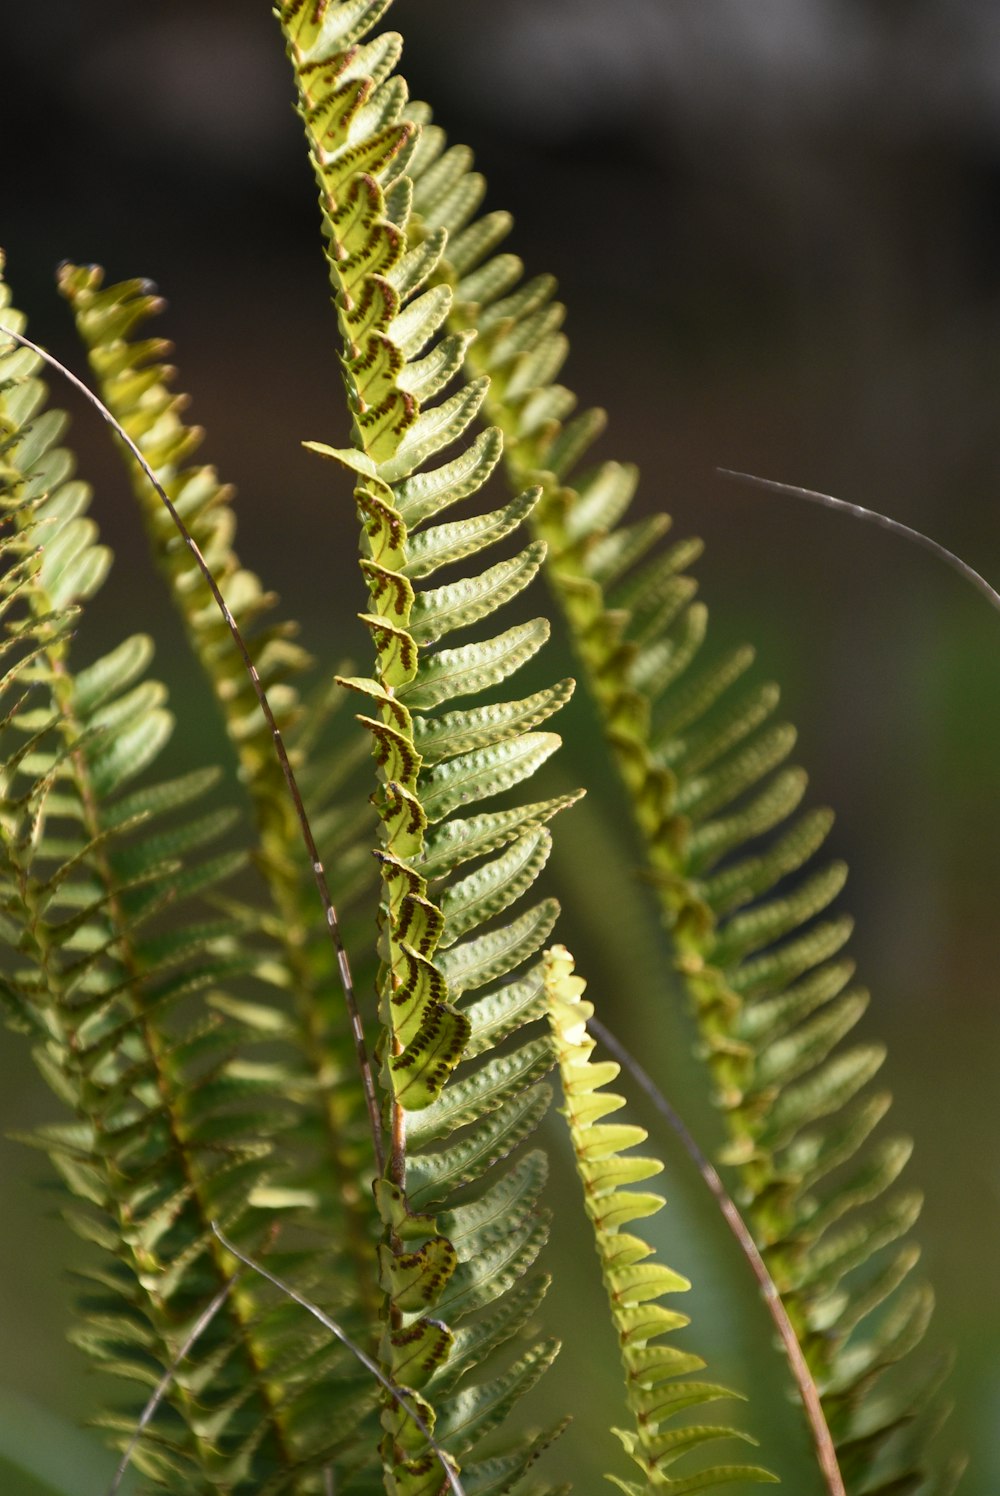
point(826, 1453)
point(397, 1162)
point(316, 862)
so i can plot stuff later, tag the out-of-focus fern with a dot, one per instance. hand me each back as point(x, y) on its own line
point(134, 383)
point(439, 1262)
point(658, 1378)
point(170, 1127)
point(704, 768)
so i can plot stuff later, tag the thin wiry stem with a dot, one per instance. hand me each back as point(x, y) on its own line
point(894, 526)
point(200, 1325)
point(318, 870)
point(366, 1361)
point(826, 1454)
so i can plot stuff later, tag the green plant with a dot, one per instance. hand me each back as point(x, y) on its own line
point(196, 1028)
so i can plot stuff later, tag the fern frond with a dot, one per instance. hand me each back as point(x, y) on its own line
point(397, 372)
point(171, 1127)
point(658, 1382)
point(135, 384)
point(708, 787)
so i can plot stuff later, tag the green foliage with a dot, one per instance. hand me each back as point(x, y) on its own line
point(192, 1028)
point(707, 783)
point(358, 144)
point(658, 1382)
point(169, 1125)
point(134, 383)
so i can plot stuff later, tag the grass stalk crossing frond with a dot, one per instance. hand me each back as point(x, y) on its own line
point(163, 1386)
point(335, 1329)
point(658, 1377)
point(884, 522)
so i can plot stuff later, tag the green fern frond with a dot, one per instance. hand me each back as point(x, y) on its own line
point(397, 371)
point(171, 1127)
point(197, 1044)
point(705, 774)
point(658, 1382)
point(135, 384)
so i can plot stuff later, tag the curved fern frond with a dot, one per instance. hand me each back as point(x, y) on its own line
point(171, 1126)
point(440, 1262)
point(708, 787)
point(658, 1377)
point(134, 382)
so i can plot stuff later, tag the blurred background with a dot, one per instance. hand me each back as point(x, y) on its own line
point(776, 224)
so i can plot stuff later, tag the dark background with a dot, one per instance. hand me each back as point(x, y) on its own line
point(776, 224)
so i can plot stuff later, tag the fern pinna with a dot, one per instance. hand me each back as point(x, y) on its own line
point(704, 769)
